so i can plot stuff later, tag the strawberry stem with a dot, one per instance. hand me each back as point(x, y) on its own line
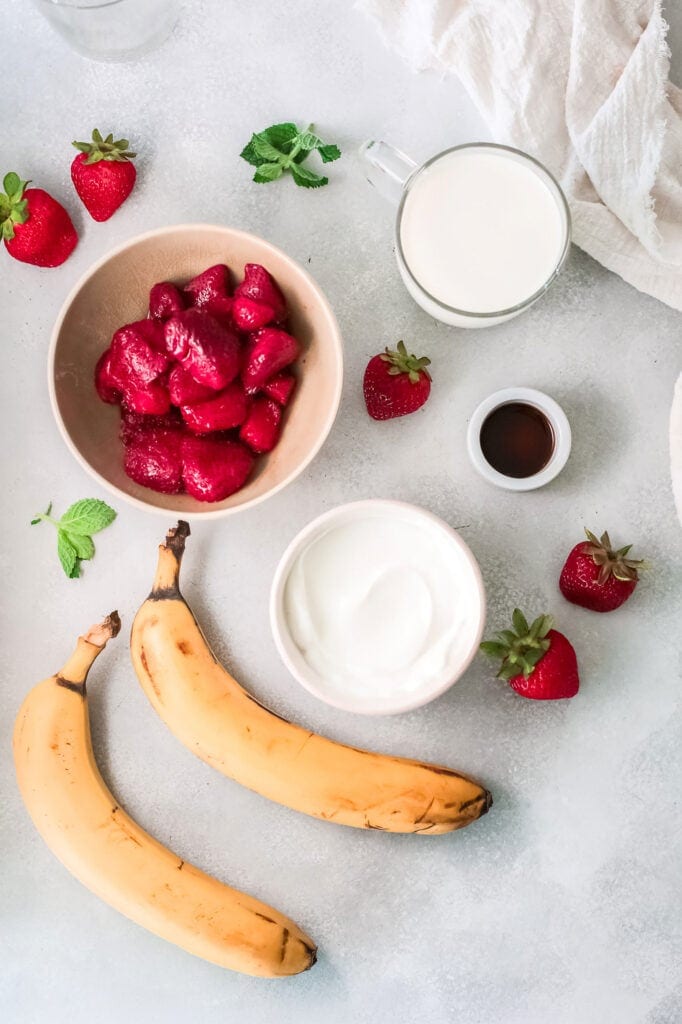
point(13, 206)
point(105, 149)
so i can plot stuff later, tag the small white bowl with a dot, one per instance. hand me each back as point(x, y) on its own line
point(294, 659)
point(560, 427)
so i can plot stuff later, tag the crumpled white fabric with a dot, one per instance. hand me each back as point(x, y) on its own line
point(583, 86)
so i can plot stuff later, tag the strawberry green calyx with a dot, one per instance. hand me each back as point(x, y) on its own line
point(13, 206)
point(522, 647)
point(401, 362)
point(612, 562)
point(105, 149)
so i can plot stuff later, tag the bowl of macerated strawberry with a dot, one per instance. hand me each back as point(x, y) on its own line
point(196, 370)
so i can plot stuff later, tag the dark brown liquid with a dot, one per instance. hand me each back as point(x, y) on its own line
point(517, 439)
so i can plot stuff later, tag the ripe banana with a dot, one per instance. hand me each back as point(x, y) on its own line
point(107, 851)
point(219, 721)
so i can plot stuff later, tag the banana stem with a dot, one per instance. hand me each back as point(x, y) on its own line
point(167, 578)
point(88, 648)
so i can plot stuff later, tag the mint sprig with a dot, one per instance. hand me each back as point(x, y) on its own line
point(75, 529)
point(282, 147)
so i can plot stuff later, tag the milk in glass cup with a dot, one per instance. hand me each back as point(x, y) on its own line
point(482, 230)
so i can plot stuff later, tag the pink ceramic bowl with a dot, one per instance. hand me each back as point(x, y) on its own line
point(116, 290)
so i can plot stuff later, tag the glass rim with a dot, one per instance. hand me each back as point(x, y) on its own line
point(560, 262)
point(76, 6)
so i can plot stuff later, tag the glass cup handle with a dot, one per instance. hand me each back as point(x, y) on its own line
point(386, 168)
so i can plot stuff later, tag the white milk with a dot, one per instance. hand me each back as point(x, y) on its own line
point(482, 230)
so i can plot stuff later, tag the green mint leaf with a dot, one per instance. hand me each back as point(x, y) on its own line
point(329, 153)
point(309, 141)
point(67, 555)
point(83, 544)
point(307, 179)
point(266, 150)
point(250, 155)
point(87, 516)
point(281, 136)
point(268, 172)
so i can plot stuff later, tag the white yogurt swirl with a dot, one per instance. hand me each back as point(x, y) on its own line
point(381, 605)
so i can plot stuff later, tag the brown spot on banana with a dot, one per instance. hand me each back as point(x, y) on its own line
point(285, 942)
point(150, 677)
point(183, 647)
point(426, 810)
point(78, 688)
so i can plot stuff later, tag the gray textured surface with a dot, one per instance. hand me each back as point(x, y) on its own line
point(563, 905)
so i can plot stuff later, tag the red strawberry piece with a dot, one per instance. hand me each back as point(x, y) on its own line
point(598, 576)
point(262, 427)
point(103, 174)
point(151, 400)
point(132, 423)
point(183, 388)
point(537, 661)
point(280, 387)
point(269, 351)
point(165, 300)
point(106, 387)
point(210, 291)
point(35, 227)
point(214, 468)
point(249, 315)
point(262, 288)
point(153, 458)
point(396, 384)
point(134, 361)
point(208, 351)
point(224, 411)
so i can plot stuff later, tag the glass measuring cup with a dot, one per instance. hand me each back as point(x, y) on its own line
point(400, 179)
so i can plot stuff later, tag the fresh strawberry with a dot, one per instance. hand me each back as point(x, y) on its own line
point(210, 352)
point(135, 423)
point(281, 387)
point(35, 227)
point(214, 468)
point(249, 315)
point(262, 427)
point(396, 384)
point(597, 576)
point(103, 174)
point(151, 400)
point(224, 411)
point(106, 386)
point(537, 661)
point(183, 388)
point(259, 286)
point(153, 458)
point(165, 300)
point(210, 291)
point(134, 361)
point(269, 351)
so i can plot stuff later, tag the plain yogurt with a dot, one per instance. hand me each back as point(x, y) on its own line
point(381, 605)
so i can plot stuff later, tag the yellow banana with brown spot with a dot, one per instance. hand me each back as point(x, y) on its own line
point(219, 721)
point(107, 851)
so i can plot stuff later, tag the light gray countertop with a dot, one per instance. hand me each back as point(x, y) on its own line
point(563, 905)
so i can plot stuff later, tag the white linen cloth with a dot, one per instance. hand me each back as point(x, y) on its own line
point(583, 86)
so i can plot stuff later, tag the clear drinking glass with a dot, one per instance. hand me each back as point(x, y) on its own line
point(111, 30)
point(394, 174)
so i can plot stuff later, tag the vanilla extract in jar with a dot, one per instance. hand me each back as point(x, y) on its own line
point(517, 439)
